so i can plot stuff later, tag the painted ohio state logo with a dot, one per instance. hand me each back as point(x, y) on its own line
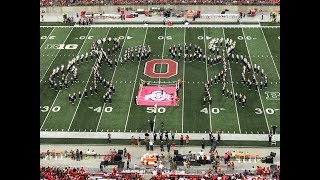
point(172, 68)
point(158, 96)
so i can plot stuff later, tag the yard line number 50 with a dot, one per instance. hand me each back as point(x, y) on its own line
point(157, 110)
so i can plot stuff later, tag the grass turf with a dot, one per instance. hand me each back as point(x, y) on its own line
point(91, 114)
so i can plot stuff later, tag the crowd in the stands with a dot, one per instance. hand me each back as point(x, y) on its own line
point(154, 2)
point(53, 173)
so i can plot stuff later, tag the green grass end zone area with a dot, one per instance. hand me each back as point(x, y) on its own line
point(261, 46)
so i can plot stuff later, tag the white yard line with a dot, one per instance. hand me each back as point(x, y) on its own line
point(184, 68)
point(164, 42)
point(235, 104)
point(258, 88)
point(65, 78)
point(270, 53)
point(55, 56)
point(47, 38)
point(112, 77)
point(74, 114)
point(205, 52)
point(125, 127)
point(45, 119)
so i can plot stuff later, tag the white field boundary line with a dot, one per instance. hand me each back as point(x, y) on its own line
point(61, 90)
point(112, 77)
point(205, 52)
point(270, 54)
point(74, 114)
point(55, 56)
point(258, 88)
point(47, 38)
point(235, 104)
point(183, 72)
point(127, 135)
point(125, 127)
point(174, 26)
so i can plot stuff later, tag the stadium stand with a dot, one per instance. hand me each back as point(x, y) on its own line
point(59, 173)
point(182, 162)
point(265, 172)
point(155, 2)
point(80, 174)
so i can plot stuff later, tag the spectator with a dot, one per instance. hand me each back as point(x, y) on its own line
point(187, 140)
point(139, 142)
point(128, 164)
point(172, 135)
point(204, 159)
point(72, 155)
point(161, 146)
point(109, 138)
point(270, 137)
point(225, 158)
point(202, 143)
point(125, 152)
point(112, 157)
point(253, 170)
point(168, 147)
point(81, 155)
point(147, 145)
point(181, 140)
point(106, 159)
point(151, 145)
point(173, 144)
point(129, 157)
point(77, 155)
point(132, 140)
point(245, 173)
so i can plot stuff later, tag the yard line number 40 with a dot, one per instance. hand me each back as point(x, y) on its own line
point(213, 110)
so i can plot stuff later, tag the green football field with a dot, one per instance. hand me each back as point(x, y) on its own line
point(261, 46)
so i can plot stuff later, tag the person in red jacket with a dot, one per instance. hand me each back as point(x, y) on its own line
point(132, 140)
point(173, 144)
point(112, 157)
point(129, 157)
point(106, 159)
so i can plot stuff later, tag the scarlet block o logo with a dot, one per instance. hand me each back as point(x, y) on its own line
point(172, 68)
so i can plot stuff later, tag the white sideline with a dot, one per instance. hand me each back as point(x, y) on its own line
point(123, 135)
